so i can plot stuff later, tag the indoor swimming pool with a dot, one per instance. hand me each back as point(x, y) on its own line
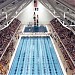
point(35, 56)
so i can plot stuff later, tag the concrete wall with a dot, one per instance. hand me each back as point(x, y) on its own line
point(27, 14)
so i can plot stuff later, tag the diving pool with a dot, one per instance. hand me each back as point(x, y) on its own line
point(35, 56)
point(35, 29)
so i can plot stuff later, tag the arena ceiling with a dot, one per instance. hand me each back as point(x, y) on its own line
point(9, 9)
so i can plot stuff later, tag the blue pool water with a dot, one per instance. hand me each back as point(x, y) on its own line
point(35, 56)
point(35, 29)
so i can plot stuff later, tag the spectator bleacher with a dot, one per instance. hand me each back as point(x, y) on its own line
point(73, 28)
point(5, 39)
point(4, 63)
point(6, 34)
point(2, 21)
point(68, 39)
